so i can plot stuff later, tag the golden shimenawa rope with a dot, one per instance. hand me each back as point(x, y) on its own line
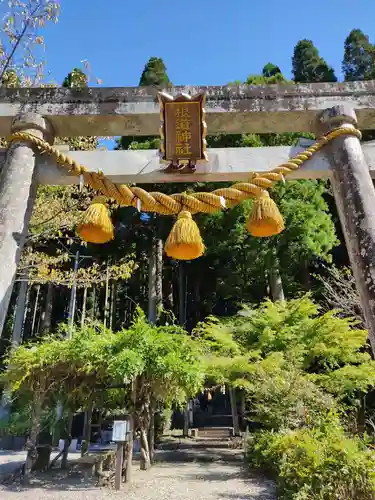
point(195, 202)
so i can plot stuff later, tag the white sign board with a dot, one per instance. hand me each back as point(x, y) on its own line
point(120, 429)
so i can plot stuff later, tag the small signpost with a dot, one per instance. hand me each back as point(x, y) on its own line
point(183, 130)
point(120, 430)
point(120, 434)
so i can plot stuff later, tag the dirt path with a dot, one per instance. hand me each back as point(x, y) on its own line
point(198, 474)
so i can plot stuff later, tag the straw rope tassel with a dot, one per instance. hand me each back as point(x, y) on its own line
point(184, 241)
point(96, 225)
point(265, 219)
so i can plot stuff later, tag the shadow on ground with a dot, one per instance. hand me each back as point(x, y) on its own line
point(54, 480)
point(234, 496)
point(170, 465)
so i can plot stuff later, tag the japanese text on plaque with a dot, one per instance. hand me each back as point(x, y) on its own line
point(183, 131)
point(182, 136)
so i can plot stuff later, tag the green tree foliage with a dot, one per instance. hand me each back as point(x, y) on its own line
point(150, 365)
point(321, 343)
point(308, 238)
point(309, 66)
point(76, 79)
point(299, 369)
point(10, 79)
point(271, 74)
point(154, 74)
point(359, 57)
point(271, 70)
point(316, 463)
point(308, 225)
point(280, 396)
point(290, 337)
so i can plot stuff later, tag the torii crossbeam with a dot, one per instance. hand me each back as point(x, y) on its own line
point(319, 108)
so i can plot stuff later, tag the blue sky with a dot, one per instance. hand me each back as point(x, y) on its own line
point(213, 42)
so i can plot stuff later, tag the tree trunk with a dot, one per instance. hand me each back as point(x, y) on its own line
point(87, 429)
point(129, 448)
point(151, 436)
point(20, 313)
point(306, 279)
point(106, 299)
point(17, 332)
point(47, 313)
point(35, 310)
point(152, 313)
point(29, 288)
point(56, 430)
point(361, 416)
point(145, 452)
point(71, 314)
point(129, 458)
point(197, 297)
point(186, 420)
point(158, 277)
point(67, 440)
point(93, 302)
point(181, 294)
point(100, 421)
point(73, 296)
point(118, 465)
point(112, 313)
point(243, 410)
point(182, 321)
point(276, 284)
point(233, 405)
point(31, 444)
point(168, 289)
point(84, 304)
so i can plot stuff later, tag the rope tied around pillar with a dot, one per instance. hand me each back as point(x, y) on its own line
point(265, 219)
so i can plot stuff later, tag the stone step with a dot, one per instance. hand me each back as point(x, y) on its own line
point(213, 432)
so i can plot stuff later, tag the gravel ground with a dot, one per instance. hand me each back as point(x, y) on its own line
point(191, 480)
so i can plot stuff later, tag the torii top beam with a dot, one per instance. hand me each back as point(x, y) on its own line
point(233, 109)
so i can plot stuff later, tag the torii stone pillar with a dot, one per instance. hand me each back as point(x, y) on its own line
point(355, 199)
point(18, 187)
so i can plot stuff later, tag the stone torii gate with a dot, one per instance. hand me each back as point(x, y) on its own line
point(318, 108)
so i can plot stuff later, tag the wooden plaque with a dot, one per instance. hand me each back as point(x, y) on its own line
point(183, 128)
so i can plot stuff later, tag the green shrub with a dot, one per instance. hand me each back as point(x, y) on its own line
point(280, 396)
point(316, 463)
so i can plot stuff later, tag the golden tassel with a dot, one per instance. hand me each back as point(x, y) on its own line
point(96, 225)
point(265, 218)
point(184, 241)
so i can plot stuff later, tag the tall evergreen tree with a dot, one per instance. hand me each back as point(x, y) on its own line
point(270, 70)
point(359, 57)
point(154, 73)
point(308, 66)
point(75, 79)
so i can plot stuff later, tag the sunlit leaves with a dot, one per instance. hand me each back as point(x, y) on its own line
point(166, 358)
point(42, 268)
point(275, 340)
point(21, 38)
